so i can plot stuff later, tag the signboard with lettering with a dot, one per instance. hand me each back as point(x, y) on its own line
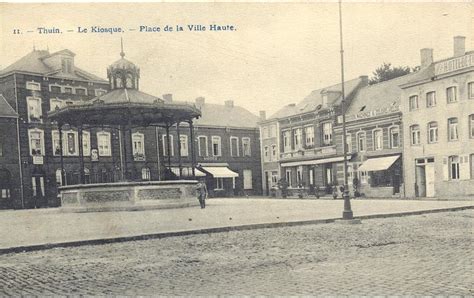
point(37, 160)
point(94, 155)
point(454, 64)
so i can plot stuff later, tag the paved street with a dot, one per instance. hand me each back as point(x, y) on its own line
point(417, 255)
point(43, 226)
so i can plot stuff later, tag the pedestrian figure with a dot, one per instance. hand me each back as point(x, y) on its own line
point(201, 190)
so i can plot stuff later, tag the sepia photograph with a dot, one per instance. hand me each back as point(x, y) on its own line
point(258, 148)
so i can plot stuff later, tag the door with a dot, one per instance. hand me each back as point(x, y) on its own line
point(267, 184)
point(38, 191)
point(420, 190)
point(429, 179)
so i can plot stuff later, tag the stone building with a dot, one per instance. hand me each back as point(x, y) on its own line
point(438, 117)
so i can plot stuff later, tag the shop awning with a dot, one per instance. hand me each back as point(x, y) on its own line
point(187, 172)
point(378, 163)
point(221, 172)
point(314, 161)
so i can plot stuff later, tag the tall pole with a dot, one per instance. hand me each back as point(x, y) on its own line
point(347, 213)
point(193, 157)
point(81, 156)
point(61, 154)
point(180, 167)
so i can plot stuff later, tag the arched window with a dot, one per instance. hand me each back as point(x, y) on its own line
point(378, 139)
point(394, 137)
point(361, 141)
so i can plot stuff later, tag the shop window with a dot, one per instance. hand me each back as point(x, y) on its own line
point(395, 137)
point(234, 146)
point(248, 179)
point(33, 86)
point(219, 183)
point(413, 101)
point(309, 136)
point(202, 146)
point(430, 99)
point(36, 138)
point(146, 174)
point(216, 146)
point(183, 141)
point(453, 134)
point(432, 132)
point(378, 139)
point(361, 141)
point(415, 134)
point(103, 142)
point(167, 140)
point(454, 167)
point(451, 94)
point(327, 133)
point(34, 109)
point(246, 147)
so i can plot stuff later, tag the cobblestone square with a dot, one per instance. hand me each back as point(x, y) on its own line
point(415, 255)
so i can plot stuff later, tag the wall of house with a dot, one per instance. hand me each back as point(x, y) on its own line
point(9, 165)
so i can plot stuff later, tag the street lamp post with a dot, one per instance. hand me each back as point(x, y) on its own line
point(347, 213)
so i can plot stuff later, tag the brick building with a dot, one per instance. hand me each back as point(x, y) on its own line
point(41, 81)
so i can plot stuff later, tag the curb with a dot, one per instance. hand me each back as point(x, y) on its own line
point(29, 248)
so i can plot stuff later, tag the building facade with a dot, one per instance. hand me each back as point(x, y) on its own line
point(306, 141)
point(438, 116)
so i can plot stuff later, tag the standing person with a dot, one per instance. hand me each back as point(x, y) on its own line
point(202, 193)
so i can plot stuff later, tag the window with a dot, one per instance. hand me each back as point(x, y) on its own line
point(146, 174)
point(430, 99)
point(348, 142)
point(286, 141)
point(432, 132)
point(394, 137)
point(274, 178)
point(167, 141)
point(99, 92)
point(55, 142)
point(248, 179)
point(138, 141)
point(103, 142)
point(471, 126)
point(216, 146)
point(55, 103)
point(70, 143)
point(68, 90)
point(234, 146)
point(54, 89)
point(59, 177)
point(202, 146)
point(34, 109)
point(33, 86)
point(454, 167)
point(246, 146)
point(219, 183)
point(265, 154)
point(413, 102)
point(297, 134)
point(274, 152)
point(451, 94)
point(299, 175)
point(361, 141)
point(288, 177)
point(66, 65)
point(378, 139)
point(309, 136)
point(470, 90)
point(36, 138)
point(81, 91)
point(327, 133)
point(453, 129)
point(415, 134)
point(86, 143)
point(183, 141)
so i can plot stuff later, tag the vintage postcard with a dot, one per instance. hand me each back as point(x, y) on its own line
point(237, 148)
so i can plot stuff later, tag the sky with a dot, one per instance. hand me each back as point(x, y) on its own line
point(277, 55)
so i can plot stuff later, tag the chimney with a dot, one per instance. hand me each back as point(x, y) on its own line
point(200, 101)
point(229, 103)
point(263, 115)
point(426, 57)
point(459, 46)
point(168, 97)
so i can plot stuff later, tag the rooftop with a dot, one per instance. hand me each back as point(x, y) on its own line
point(6, 110)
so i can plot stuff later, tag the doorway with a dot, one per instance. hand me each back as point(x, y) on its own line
point(425, 177)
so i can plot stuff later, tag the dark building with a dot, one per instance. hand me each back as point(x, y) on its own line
point(42, 81)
